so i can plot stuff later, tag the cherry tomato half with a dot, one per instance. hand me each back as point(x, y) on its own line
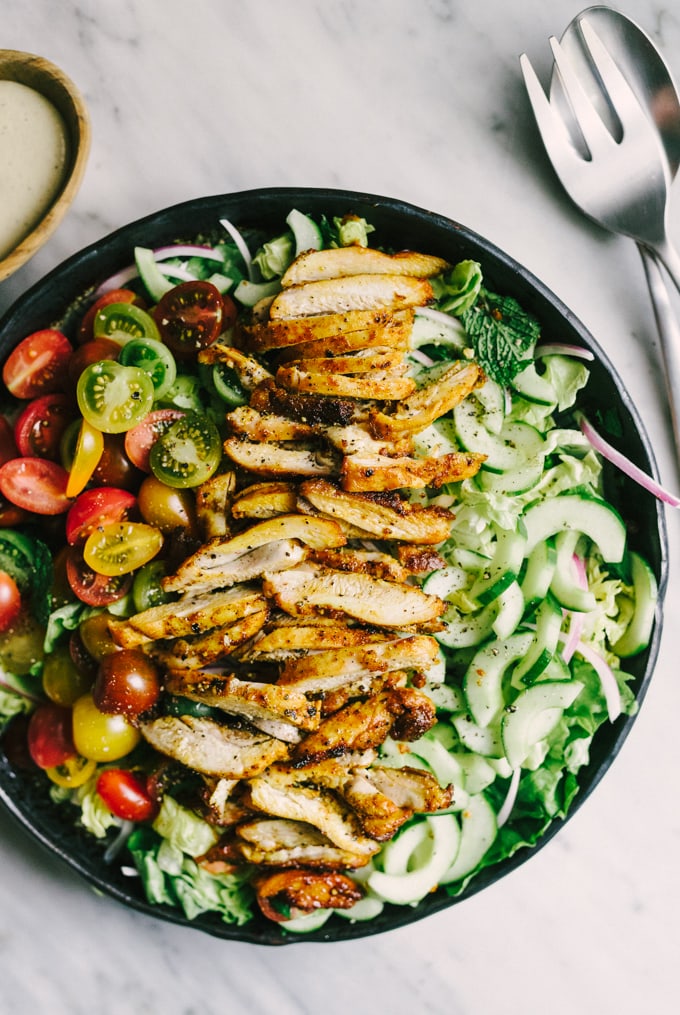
point(38, 365)
point(91, 587)
point(87, 454)
point(101, 737)
point(95, 508)
point(122, 322)
point(91, 352)
point(191, 315)
point(113, 397)
point(10, 601)
point(115, 468)
point(128, 683)
point(8, 448)
point(73, 772)
point(50, 739)
point(188, 453)
point(166, 507)
point(121, 547)
point(85, 332)
point(40, 427)
point(153, 358)
point(125, 794)
point(35, 484)
point(139, 440)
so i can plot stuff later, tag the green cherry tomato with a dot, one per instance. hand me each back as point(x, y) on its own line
point(188, 453)
point(112, 397)
point(124, 321)
point(153, 358)
point(147, 590)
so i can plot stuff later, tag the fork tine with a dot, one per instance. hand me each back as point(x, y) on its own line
point(621, 96)
point(555, 137)
point(596, 136)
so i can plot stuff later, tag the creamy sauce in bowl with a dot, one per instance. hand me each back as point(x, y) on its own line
point(33, 155)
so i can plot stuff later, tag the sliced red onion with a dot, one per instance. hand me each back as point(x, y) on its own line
point(5, 686)
point(125, 275)
point(576, 618)
point(242, 246)
point(187, 250)
point(510, 797)
point(421, 357)
point(561, 349)
point(610, 688)
point(120, 840)
point(624, 464)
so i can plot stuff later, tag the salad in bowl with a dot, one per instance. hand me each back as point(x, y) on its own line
point(321, 604)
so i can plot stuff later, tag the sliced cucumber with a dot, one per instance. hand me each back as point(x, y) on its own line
point(564, 584)
point(155, 282)
point(544, 644)
point(503, 567)
point(478, 831)
point(306, 924)
point(436, 851)
point(514, 481)
point(249, 293)
point(534, 387)
point(535, 713)
point(479, 772)
point(491, 398)
point(639, 630)
point(539, 572)
point(305, 231)
point(445, 767)
point(446, 580)
point(365, 909)
point(437, 328)
point(510, 608)
point(483, 680)
point(499, 617)
point(484, 740)
point(592, 516)
point(446, 698)
point(516, 444)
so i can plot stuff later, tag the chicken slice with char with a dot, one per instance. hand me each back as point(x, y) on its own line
point(355, 292)
point(248, 422)
point(212, 748)
point(210, 646)
point(271, 460)
point(384, 803)
point(357, 439)
point(287, 641)
point(316, 672)
point(317, 410)
point(248, 370)
point(200, 576)
point(284, 895)
point(383, 385)
point(313, 265)
point(394, 335)
point(280, 842)
point(375, 327)
point(373, 562)
point(361, 473)
point(265, 500)
point(212, 504)
point(428, 403)
point(362, 362)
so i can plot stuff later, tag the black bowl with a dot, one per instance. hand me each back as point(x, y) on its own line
point(51, 302)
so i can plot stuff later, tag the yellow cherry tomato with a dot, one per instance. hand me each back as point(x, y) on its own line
point(89, 449)
point(63, 683)
point(121, 547)
point(101, 736)
point(73, 772)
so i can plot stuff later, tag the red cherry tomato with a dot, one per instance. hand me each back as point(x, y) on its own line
point(115, 468)
point(8, 448)
point(91, 352)
point(94, 508)
point(125, 794)
point(38, 365)
point(10, 601)
point(85, 332)
point(191, 315)
point(40, 427)
point(11, 515)
point(140, 440)
point(127, 683)
point(35, 484)
point(93, 588)
point(50, 737)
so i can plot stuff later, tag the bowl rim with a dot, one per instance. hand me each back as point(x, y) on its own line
point(37, 72)
point(91, 258)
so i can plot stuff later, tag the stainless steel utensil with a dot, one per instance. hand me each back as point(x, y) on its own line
point(609, 156)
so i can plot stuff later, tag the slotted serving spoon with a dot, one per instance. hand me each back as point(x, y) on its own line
point(610, 157)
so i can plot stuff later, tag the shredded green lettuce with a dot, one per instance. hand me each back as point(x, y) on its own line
point(184, 829)
point(457, 290)
point(352, 230)
point(273, 257)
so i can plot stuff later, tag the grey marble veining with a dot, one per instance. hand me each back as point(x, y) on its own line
point(419, 100)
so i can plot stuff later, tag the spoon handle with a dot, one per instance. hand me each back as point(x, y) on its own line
point(669, 332)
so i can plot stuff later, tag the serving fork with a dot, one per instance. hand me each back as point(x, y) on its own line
point(621, 181)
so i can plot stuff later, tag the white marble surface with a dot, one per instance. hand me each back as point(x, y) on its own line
point(419, 100)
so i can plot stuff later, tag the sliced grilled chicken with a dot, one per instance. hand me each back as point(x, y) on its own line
point(277, 794)
point(420, 409)
point(190, 614)
point(386, 516)
point(292, 640)
point(410, 787)
point(271, 460)
point(350, 530)
point(395, 335)
point(357, 439)
point(382, 385)
point(317, 410)
point(313, 265)
point(375, 327)
point(375, 563)
point(374, 472)
point(222, 809)
point(250, 423)
point(419, 559)
point(248, 370)
point(317, 672)
point(203, 649)
point(280, 842)
point(263, 705)
point(284, 895)
point(212, 748)
point(224, 555)
point(303, 590)
point(379, 817)
point(356, 292)
point(362, 362)
point(212, 504)
point(203, 574)
point(265, 500)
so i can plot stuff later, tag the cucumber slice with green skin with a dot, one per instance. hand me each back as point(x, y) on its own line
point(636, 636)
point(155, 282)
point(584, 513)
point(365, 909)
point(564, 584)
point(438, 329)
point(306, 924)
point(446, 580)
point(483, 680)
point(539, 572)
point(534, 387)
point(510, 610)
point(440, 838)
point(445, 767)
point(478, 831)
point(500, 617)
point(513, 482)
point(479, 772)
point(484, 740)
point(249, 293)
point(503, 567)
point(516, 444)
point(305, 231)
point(469, 560)
point(491, 398)
point(544, 644)
point(535, 713)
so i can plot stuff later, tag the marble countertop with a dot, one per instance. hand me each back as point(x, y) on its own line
point(421, 101)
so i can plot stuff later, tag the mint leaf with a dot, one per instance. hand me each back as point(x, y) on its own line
point(502, 334)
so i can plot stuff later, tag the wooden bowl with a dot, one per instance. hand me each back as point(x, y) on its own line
point(50, 82)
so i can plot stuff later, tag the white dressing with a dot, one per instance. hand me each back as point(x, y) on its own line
point(32, 160)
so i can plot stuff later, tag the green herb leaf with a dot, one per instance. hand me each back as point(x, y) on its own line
point(502, 334)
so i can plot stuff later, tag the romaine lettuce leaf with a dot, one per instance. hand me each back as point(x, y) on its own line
point(456, 291)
